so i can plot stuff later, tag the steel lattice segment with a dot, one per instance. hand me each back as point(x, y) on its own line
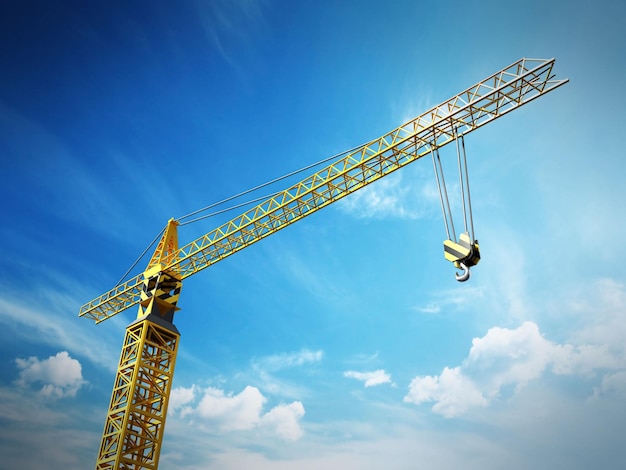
point(135, 422)
point(497, 95)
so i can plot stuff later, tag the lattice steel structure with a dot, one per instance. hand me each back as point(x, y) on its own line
point(133, 431)
point(144, 375)
point(135, 423)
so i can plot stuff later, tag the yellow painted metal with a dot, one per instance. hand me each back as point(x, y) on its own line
point(464, 251)
point(135, 421)
point(133, 431)
point(495, 96)
point(160, 293)
point(166, 250)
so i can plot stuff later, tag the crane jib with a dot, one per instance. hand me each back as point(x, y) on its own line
point(134, 426)
point(493, 97)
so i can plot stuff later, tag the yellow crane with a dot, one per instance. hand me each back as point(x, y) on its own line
point(135, 421)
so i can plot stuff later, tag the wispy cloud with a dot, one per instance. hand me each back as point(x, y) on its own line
point(613, 385)
point(286, 360)
point(307, 276)
point(599, 308)
point(266, 371)
point(39, 433)
point(225, 21)
point(450, 299)
point(87, 198)
point(392, 198)
point(365, 360)
point(50, 318)
point(361, 446)
point(369, 379)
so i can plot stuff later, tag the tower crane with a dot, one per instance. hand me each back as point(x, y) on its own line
point(135, 421)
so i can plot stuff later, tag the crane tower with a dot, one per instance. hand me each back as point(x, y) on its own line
point(135, 420)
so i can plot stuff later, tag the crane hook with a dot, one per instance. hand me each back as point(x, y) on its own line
point(466, 273)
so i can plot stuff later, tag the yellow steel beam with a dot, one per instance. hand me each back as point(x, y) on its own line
point(135, 423)
point(495, 96)
point(133, 431)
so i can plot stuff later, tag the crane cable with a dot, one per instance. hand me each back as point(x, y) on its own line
point(466, 203)
point(221, 211)
point(465, 187)
point(243, 193)
point(140, 256)
point(236, 206)
point(443, 193)
point(441, 185)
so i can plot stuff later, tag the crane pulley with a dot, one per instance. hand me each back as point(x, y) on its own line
point(135, 420)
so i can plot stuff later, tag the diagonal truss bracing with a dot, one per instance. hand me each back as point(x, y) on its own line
point(135, 423)
point(495, 96)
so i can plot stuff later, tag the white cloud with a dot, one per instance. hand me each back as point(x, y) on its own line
point(370, 379)
point(386, 445)
point(509, 280)
point(307, 277)
point(613, 385)
point(232, 412)
point(600, 305)
point(238, 412)
point(388, 198)
point(448, 299)
point(265, 371)
point(430, 308)
point(52, 326)
point(181, 396)
point(452, 392)
point(60, 376)
point(284, 421)
point(285, 360)
point(227, 20)
point(507, 357)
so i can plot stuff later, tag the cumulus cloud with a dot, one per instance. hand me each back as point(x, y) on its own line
point(507, 357)
point(59, 376)
point(181, 396)
point(452, 392)
point(232, 412)
point(370, 379)
point(284, 421)
point(238, 412)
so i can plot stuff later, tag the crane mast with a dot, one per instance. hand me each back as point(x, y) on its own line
point(136, 418)
point(135, 422)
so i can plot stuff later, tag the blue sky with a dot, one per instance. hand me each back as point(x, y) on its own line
point(344, 340)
